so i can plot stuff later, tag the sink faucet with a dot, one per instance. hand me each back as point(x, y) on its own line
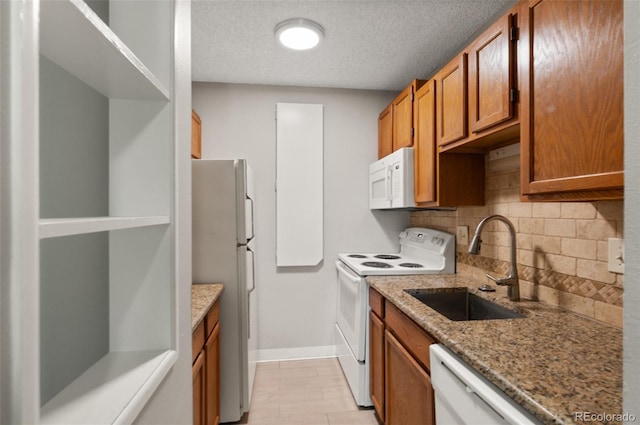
point(511, 280)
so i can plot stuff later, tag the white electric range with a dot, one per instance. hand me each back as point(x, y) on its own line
point(422, 251)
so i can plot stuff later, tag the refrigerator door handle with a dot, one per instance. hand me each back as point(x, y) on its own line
point(249, 218)
point(253, 288)
point(253, 271)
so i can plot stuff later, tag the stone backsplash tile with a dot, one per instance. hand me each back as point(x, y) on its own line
point(562, 246)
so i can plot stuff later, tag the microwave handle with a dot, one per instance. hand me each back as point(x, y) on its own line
point(388, 179)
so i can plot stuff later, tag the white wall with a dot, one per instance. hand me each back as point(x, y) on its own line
point(297, 305)
point(631, 350)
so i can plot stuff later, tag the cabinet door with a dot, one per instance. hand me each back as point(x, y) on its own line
point(409, 394)
point(385, 132)
point(451, 101)
point(198, 377)
point(196, 135)
point(491, 76)
point(425, 144)
point(212, 372)
point(376, 357)
point(572, 100)
point(403, 119)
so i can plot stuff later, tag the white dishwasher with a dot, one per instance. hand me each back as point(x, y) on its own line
point(463, 396)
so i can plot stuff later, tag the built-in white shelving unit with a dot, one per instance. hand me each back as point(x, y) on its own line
point(54, 227)
point(73, 36)
point(88, 229)
point(109, 392)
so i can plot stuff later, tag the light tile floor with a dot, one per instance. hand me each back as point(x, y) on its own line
point(304, 392)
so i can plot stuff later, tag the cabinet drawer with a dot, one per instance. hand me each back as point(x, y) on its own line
point(211, 319)
point(414, 338)
point(376, 302)
point(197, 341)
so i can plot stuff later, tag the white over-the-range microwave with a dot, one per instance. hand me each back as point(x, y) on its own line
point(391, 181)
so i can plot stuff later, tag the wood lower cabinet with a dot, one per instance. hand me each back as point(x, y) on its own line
point(199, 401)
point(376, 351)
point(196, 135)
point(409, 394)
point(212, 372)
point(206, 369)
point(401, 388)
point(572, 100)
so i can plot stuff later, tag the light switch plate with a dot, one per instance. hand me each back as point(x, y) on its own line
point(462, 235)
point(616, 255)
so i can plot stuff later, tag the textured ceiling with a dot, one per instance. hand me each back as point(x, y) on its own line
point(369, 44)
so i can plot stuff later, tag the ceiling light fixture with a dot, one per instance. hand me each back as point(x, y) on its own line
point(299, 33)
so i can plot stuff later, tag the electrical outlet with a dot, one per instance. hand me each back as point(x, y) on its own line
point(463, 235)
point(616, 255)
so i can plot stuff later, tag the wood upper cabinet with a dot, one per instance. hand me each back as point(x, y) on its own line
point(451, 101)
point(385, 132)
point(424, 152)
point(376, 351)
point(477, 93)
point(196, 135)
point(395, 123)
point(444, 179)
point(492, 73)
point(572, 100)
point(403, 118)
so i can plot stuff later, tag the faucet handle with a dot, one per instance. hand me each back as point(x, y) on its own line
point(502, 281)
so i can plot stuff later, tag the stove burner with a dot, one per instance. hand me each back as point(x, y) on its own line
point(411, 265)
point(387, 257)
point(377, 264)
point(357, 256)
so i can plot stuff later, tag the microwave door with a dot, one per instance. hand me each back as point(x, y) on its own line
point(380, 186)
point(402, 179)
point(398, 184)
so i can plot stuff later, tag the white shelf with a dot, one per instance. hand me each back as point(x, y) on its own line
point(74, 37)
point(54, 227)
point(112, 391)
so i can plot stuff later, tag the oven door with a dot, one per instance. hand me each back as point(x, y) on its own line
point(351, 313)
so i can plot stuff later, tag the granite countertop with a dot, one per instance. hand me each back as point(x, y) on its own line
point(203, 295)
point(552, 362)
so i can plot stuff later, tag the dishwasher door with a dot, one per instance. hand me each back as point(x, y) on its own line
point(463, 396)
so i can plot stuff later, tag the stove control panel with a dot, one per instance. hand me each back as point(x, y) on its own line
point(423, 238)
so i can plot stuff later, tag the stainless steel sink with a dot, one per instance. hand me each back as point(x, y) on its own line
point(460, 304)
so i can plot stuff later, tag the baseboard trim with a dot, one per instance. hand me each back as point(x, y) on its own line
point(298, 353)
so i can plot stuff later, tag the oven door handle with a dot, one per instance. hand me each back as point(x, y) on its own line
point(348, 273)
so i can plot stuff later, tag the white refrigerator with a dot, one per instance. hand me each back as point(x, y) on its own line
point(223, 252)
